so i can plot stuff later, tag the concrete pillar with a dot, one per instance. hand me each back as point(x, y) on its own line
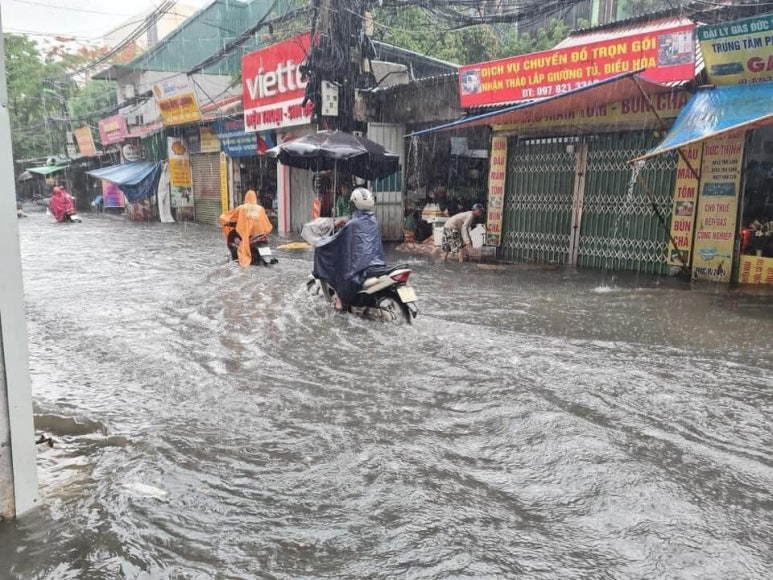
point(18, 469)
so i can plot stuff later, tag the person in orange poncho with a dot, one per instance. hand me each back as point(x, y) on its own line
point(244, 221)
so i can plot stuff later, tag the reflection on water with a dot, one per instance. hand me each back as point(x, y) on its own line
point(211, 422)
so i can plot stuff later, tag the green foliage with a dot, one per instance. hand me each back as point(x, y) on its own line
point(92, 100)
point(414, 29)
point(643, 7)
point(33, 134)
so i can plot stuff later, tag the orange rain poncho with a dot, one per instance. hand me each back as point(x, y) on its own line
point(251, 220)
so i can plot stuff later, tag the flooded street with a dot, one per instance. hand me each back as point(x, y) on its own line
point(535, 423)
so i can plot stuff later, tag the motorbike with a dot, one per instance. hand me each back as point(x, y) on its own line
point(261, 252)
point(385, 294)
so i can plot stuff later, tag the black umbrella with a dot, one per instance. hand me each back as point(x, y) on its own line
point(328, 150)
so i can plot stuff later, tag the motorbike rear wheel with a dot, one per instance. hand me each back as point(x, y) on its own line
point(392, 310)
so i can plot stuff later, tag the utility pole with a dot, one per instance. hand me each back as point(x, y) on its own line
point(335, 62)
point(18, 461)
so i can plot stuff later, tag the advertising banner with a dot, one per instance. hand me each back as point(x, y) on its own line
point(739, 52)
point(85, 141)
point(234, 140)
point(272, 86)
point(180, 181)
point(717, 207)
point(626, 113)
point(112, 196)
point(666, 55)
point(177, 101)
point(496, 190)
point(684, 205)
point(112, 129)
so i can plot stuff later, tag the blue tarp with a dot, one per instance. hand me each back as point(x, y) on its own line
point(342, 260)
point(138, 180)
point(717, 110)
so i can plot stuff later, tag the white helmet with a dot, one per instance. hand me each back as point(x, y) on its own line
point(363, 199)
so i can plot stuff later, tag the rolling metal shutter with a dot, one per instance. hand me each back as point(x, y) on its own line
point(205, 170)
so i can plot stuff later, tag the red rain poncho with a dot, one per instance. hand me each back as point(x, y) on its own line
point(250, 219)
point(61, 204)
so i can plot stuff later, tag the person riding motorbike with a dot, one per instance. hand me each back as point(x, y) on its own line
point(242, 223)
point(61, 205)
point(343, 259)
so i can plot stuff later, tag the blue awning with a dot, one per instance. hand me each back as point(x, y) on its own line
point(714, 111)
point(617, 88)
point(138, 180)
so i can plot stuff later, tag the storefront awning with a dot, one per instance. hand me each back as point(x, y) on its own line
point(717, 110)
point(137, 180)
point(46, 169)
point(617, 88)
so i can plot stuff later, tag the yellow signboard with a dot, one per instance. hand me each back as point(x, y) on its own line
point(756, 270)
point(177, 101)
point(738, 52)
point(496, 190)
point(717, 207)
point(85, 140)
point(626, 113)
point(685, 201)
point(224, 182)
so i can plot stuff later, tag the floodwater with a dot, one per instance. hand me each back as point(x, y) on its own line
point(534, 423)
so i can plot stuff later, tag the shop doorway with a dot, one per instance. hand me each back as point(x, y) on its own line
point(757, 200)
point(259, 174)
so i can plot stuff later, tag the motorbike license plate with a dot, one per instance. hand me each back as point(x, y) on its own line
point(406, 293)
point(264, 251)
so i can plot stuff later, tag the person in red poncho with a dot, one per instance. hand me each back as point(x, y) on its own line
point(61, 205)
point(244, 221)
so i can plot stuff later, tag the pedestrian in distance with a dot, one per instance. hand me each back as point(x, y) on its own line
point(456, 232)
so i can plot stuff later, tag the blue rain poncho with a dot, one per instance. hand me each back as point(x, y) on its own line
point(341, 260)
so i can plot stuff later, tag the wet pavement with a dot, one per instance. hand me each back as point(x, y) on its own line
point(534, 422)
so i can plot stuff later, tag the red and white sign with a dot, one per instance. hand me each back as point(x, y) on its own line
point(272, 87)
point(665, 55)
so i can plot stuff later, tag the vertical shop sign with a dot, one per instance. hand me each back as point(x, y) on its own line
point(85, 141)
point(180, 180)
point(717, 206)
point(496, 190)
point(224, 181)
point(684, 205)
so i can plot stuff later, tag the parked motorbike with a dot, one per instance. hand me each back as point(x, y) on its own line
point(261, 251)
point(385, 294)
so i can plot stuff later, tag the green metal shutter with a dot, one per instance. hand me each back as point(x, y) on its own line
point(619, 229)
point(205, 170)
point(538, 201)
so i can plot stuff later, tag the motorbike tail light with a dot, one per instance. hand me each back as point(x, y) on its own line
point(400, 276)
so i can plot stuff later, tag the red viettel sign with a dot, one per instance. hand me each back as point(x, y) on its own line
point(666, 55)
point(272, 88)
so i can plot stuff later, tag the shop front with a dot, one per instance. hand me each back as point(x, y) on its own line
point(560, 188)
point(722, 226)
point(723, 200)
